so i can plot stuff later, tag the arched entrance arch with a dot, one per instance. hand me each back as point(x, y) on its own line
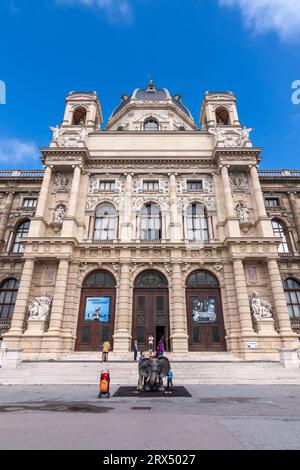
point(204, 312)
point(150, 308)
point(96, 311)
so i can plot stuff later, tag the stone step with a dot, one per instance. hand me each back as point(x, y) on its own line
point(127, 373)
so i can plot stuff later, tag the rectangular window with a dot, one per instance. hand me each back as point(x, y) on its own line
point(272, 202)
point(151, 185)
point(29, 202)
point(194, 185)
point(107, 185)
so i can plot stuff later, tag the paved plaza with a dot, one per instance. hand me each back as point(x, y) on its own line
point(215, 417)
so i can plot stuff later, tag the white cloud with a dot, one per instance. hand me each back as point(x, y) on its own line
point(281, 16)
point(14, 152)
point(115, 10)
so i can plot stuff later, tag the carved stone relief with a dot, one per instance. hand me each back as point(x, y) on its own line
point(62, 183)
point(239, 182)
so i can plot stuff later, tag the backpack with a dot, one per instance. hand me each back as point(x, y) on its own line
point(104, 386)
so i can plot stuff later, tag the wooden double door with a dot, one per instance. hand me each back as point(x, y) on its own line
point(96, 319)
point(205, 320)
point(150, 316)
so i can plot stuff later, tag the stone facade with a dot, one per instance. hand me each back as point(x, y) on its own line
point(151, 193)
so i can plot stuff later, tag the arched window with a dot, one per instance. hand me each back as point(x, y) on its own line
point(151, 222)
point(99, 279)
point(150, 279)
point(292, 295)
point(197, 228)
point(202, 279)
point(105, 222)
point(8, 294)
point(21, 232)
point(279, 231)
point(151, 125)
point(222, 117)
point(79, 116)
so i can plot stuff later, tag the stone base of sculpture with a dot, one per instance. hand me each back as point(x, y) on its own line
point(265, 327)
point(36, 327)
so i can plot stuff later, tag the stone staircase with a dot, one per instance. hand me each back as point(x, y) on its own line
point(84, 369)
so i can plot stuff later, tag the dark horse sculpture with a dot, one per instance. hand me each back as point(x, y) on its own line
point(151, 373)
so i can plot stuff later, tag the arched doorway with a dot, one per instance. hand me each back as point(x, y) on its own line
point(150, 308)
point(96, 312)
point(204, 313)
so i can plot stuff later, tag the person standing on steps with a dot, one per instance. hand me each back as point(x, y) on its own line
point(105, 351)
point(150, 342)
point(135, 349)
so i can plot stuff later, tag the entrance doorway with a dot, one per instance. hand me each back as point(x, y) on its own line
point(96, 312)
point(150, 309)
point(204, 313)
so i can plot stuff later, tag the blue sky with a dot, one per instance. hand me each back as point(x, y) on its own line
point(52, 47)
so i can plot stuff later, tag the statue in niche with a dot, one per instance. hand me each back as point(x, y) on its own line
point(243, 213)
point(59, 213)
point(261, 309)
point(39, 308)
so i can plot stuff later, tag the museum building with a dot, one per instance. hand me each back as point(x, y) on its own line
point(150, 225)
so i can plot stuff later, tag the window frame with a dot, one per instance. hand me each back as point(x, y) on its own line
point(19, 232)
point(148, 121)
point(146, 183)
point(152, 221)
point(105, 226)
point(291, 304)
point(281, 232)
point(8, 290)
point(194, 182)
point(197, 223)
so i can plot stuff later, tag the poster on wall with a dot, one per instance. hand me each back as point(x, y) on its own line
point(204, 310)
point(97, 308)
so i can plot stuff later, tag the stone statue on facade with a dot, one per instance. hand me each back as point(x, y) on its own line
point(39, 308)
point(57, 132)
point(243, 213)
point(261, 309)
point(59, 213)
point(231, 138)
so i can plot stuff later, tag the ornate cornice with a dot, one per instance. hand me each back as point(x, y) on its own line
point(65, 155)
point(221, 155)
point(148, 163)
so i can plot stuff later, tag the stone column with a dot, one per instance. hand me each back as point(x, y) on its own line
point(282, 315)
point(126, 224)
point(260, 203)
point(22, 298)
point(179, 337)
point(227, 192)
point(296, 214)
point(175, 225)
point(58, 303)
point(73, 201)
point(5, 215)
point(242, 298)
point(123, 312)
point(264, 223)
point(44, 193)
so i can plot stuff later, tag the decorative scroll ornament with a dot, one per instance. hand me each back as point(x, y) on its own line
point(39, 308)
point(231, 138)
point(261, 309)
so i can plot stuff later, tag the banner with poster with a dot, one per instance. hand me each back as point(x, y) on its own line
point(97, 308)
